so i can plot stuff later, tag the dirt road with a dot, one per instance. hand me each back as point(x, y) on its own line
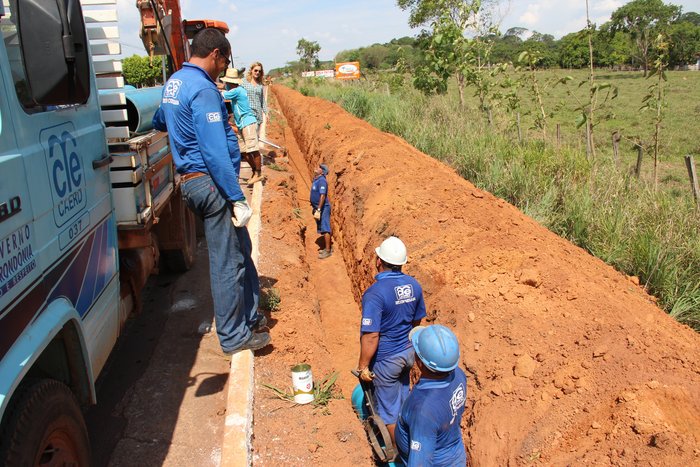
point(569, 361)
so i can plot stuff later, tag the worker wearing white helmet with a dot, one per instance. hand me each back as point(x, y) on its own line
point(428, 430)
point(391, 307)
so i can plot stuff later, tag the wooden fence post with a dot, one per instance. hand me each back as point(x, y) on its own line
point(616, 137)
point(640, 154)
point(690, 165)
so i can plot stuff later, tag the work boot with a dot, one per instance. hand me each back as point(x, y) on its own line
point(257, 341)
point(323, 254)
point(260, 323)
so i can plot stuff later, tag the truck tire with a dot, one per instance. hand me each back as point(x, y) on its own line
point(44, 426)
point(182, 260)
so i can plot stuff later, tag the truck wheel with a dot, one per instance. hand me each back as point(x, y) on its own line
point(44, 427)
point(182, 260)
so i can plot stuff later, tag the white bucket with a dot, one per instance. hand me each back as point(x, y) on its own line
point(302, 384)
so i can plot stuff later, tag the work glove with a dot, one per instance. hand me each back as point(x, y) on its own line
point(241, 213)
point(366, 375)
point(317, 214)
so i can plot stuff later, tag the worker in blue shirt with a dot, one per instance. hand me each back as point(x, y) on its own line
point(428, 432)
point(246, 122)
point(321, 206)
point(391, 308)
point(202, 143)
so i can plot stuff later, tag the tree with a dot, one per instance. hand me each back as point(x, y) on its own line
point(308, 53)
point(684, 39)
point(690, 17)
point(447, 49)
point(516, 32)
point(573, 50)
point(139, 71)
point(644, 20)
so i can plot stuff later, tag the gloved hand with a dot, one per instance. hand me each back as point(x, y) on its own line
point(366, 375)
point(317, 214)
point(241, 213)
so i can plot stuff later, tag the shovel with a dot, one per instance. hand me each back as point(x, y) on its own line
point(374, 425)
point(283, 149)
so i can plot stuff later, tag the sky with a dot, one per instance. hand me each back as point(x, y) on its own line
point(268, 30)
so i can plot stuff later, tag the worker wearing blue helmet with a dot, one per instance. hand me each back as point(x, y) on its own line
point(428, 430)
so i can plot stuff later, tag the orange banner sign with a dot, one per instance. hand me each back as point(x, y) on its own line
point(347, 70)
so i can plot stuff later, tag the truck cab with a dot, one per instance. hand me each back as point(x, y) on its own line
point(62, 300)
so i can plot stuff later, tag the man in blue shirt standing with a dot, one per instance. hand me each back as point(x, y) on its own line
point(428, 431)
point(391, 308)
point(208, 161)
point(322, 208)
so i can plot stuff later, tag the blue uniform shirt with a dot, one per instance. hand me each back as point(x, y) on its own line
point(428, 431)
point(389, 307)
point(194, 114)
point(242, 113)
point(319, 187)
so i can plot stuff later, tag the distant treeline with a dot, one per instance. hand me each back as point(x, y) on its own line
point(610, 49)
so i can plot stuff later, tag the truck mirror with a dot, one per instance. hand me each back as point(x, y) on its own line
point(55, 50)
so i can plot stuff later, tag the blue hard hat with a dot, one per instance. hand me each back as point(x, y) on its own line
point(436, 346)
point(324, 169)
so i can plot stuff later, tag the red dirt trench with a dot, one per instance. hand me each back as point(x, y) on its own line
point(569, 362)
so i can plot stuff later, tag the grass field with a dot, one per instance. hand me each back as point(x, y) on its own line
point(596, 204)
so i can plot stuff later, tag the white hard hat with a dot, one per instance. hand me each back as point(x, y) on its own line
point(392, 251)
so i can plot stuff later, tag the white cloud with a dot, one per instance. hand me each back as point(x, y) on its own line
point(606, 5)
point(531, 17)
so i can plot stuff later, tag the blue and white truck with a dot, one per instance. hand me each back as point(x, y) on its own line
point(87, 211)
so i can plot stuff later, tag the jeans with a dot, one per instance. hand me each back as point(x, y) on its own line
point(235, 288)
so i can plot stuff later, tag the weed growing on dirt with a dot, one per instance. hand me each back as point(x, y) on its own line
point(270, 299)
point(324, 391)
point(276, 167)
point(598, 205)
point(297, 213)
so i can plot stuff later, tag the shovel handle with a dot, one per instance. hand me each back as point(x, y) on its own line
point(356, 373)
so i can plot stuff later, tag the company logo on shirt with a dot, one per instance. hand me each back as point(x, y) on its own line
point(172, 88)
point(415, 445)
point(213, 117)
point(366, 321)
point(457, 401)
point(404, 294)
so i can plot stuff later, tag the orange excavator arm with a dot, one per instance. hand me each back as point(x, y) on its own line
point(164, 32)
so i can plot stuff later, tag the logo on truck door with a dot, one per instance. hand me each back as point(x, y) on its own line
point(65, 170)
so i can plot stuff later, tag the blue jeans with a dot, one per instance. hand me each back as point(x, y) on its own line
point(235, 288)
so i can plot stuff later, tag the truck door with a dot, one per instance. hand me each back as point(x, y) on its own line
point(58, 166)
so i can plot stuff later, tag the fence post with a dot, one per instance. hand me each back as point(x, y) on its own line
point(616, 146)
point(640, 154)
point(690, 165)
point(520, 131)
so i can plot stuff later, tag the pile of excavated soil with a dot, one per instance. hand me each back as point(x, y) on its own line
point(569, 361)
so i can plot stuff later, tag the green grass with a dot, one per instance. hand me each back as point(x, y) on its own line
point(597, 205)
point(270, 299)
